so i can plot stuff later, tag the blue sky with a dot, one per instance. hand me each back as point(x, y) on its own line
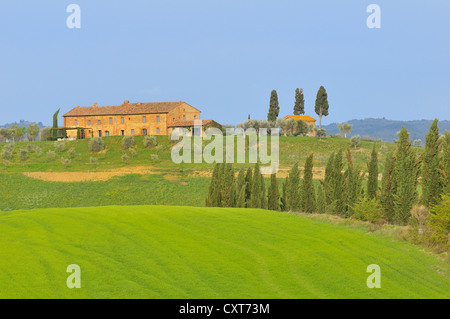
point(224, 57)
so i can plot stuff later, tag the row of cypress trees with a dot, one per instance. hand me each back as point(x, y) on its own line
point(342, 186)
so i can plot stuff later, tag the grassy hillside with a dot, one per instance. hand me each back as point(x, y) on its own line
point(181, 252)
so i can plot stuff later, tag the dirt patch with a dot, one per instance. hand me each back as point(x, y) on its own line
point(69, 177)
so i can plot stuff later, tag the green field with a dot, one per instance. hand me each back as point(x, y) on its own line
point(189, 252)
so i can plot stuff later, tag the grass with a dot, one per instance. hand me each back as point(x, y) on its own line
point(187, 252)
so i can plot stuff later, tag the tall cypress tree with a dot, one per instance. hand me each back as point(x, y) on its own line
point(274, 108)
point(321, 203)
point(263, 192)
point(307, 188)
point(273, 202)
point(372, 182)
point(406, 171)
point(211, 199)
point(352, 184)
point(248, 186)
point(328, 182)
point(284, 195)
point(321, 106)
point(255, 197)
point(388, 188)
point(432, 183)
point(55, 125)
point(446, 162)
point(293, 189)
point(299, 106)
point(338, 184)
point(241, 198)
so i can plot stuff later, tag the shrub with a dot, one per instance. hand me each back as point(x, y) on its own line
point(23, 153)
point(9, 146)
point(51, 155)
point(96, 144)
point(154, 157)
point(419, 217)
point(6, 153)
point(133, 152)
point(38, 150)
point(125, 158)
point(71, 152)
point(368, 210)
point(59, 146)
point(321, 132)
point(150, 141)
point(128, 142)
point(30, 148)
point(417, 143)
point(439, 224)
point(93, 160)
point(65, 161)
point(356, 141)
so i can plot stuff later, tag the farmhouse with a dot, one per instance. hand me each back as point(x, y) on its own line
point(308, 119)
point(156, 118)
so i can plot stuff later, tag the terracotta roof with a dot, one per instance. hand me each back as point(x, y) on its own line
point(191, 123)
point(306, 118)
point(124, 109)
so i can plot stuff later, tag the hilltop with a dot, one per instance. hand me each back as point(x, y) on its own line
point(386, 130)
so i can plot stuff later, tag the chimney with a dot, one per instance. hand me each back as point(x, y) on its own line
point(78, 106)
point(126, 102)
point(138, 103)
point(95, 104)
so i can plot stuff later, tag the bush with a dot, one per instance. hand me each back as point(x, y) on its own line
point(96, 144)
point(30, 148)
point(6, 153)
point(128, 142)
point(417, 143)
point(368, 210)
point(38, 150)
point(419, 217)
point(133, 152)
point(51, 155)
point(93, 160)
point(150, 141)
point(65, 161)
point(125, 158)
point(366, 138)
point(439, 224)
point(154, 157)
point(23, 153)
point(71, 152)
point(9, 146)
point(59, 146)
point(321, 132)
point(356, 141)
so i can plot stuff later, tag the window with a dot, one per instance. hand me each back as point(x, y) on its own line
point(195, 117)
point(184, 117)
point(76, 122)
point(89, 122)
point(98, 122)
point(157, 119)
point(122, 120)
point(99, 133)
point(82, 136)
point(132, 132)
point(144, 119)
point(173, 120)
point(122, 132)
point(144, 131)
point(110, 120)
point(157, 130)
point(106, 133)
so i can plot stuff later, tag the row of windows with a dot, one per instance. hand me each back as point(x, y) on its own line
point(122, 120)
point(122, 132)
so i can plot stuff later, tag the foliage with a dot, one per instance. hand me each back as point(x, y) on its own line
point(55, 125)
point(128, 142)
point(345, 128)
point(273, 194)
point(308, 193)
point(321, 106)
point(274, 107)
point(150, 141)
point(23, 153)
point(368, 209)
point(355, 141)
point(96, 144)
point(299, 106)
point(125, 158)
point(65, 161)
point(372, 166)
point(59, 146)
point(439, 224)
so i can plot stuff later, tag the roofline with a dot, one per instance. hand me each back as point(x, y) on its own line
point(113, 114)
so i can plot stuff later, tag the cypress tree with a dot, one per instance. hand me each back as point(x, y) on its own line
point(255, 197)
point(240, 180)
point(299, 106)
point(284, 195)
point(372, 182)
point(55, 125)
point(405, 178)
point(241, 198)
point(328, 179)
point(388, 188)
point(446, 162)
point(293, 189)
point(352, 184)
point(273, 194)
point(263, 193)
point(432, 183)
point(210, 200)
point(274, 108)
point(321, 203)
point(338, 184)
point(321, 106)
point(248, 186)
point(307, 189)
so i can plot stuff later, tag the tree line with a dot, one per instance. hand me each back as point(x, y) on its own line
point(341, 191)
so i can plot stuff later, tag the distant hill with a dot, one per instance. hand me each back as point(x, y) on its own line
point(22, 123)
point(387, 129)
